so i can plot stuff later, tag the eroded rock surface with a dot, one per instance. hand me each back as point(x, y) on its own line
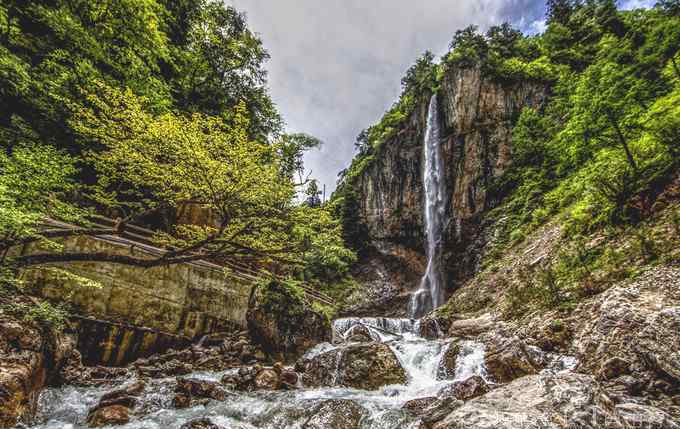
point(363, 366)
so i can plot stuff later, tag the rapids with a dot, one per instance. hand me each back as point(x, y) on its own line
point(67, 408)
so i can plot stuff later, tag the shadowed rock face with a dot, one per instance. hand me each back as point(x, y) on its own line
point(476, 117)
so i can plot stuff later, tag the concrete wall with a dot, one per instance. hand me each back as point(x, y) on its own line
point(186, 300)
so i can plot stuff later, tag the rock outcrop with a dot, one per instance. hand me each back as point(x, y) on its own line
point(31, 357)
point(549, 401)
point(283, 323)
point(477, 115)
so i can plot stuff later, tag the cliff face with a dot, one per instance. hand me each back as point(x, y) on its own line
point(476, 115)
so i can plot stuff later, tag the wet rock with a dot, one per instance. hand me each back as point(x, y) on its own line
point(358, 334)
point(114, 415)
point(418, 406)
point(195, 388)
point(439, 410)
point(267, 379)
point(541, 401)
point(509, 358)
point(115, 407)
point(289, 379)
point(466, 389)
point(336, 414)
point(283, 323)
point(432, 327)
point(181, 400)
point(362, 366)
point(447, 366)
point(204, 423)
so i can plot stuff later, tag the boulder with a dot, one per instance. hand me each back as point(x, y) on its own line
point(195, 388)
point(473, 327)
point(336, 414)
point(113, 415)
point(417, 407)
point(283, 324)
point(115, 407)
point(362, 366)
point(204, 423)
point(466, 389)
point(267, 379)
point(509, 358)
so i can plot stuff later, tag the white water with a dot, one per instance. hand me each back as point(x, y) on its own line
point(430, 294)
point(67, 408)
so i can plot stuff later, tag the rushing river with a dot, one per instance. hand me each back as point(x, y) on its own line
point(67, 408)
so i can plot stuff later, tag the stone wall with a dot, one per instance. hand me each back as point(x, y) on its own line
point(186, 300)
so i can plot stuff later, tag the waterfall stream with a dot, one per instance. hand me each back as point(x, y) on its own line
point(430, 295)
point(66, 408)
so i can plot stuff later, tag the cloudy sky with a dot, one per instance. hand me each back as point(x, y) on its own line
point(336, 64)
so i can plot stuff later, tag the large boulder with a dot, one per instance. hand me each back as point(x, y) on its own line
point(465, 389)
point(336, 414)
point(282, 322)
point(362, 366)
point(115, 407)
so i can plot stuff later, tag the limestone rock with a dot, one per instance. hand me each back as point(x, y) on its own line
point(336, 414)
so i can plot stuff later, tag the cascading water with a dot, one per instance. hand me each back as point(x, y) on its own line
point(430, 295)
point(66, 408)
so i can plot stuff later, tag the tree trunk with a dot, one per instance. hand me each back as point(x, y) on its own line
point(622, 141)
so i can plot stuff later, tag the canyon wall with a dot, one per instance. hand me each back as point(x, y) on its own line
point(476, 114)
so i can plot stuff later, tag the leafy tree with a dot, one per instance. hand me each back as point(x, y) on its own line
point(468, 47)
point(313, 193)
point(559, 11)
point(153, 161)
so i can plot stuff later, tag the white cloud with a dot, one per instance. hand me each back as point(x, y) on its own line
point(336, 64)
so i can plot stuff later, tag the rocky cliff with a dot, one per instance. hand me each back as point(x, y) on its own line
point(476, 114)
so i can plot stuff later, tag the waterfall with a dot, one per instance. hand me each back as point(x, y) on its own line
point(430, 295)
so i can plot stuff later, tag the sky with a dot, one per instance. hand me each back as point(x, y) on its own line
point(336, 65)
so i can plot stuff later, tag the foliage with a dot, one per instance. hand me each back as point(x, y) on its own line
point(324, 253)
point(136, 108)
